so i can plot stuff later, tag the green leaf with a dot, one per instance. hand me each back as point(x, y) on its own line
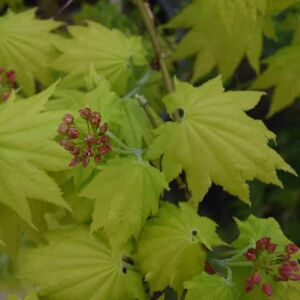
point(76, 265)
point(216, 141)
point(100, 99)
point(170, 250)
point(26, 151)
point(136, 129)
point(112, 53)
point(82, 208)
point(276, 6)
point(255, 228)
point(237, 31)
point(287, 291)
point(13, 228)
point(210, 287)
point(283, 73)
point(124, 116)
point(10, 233)
point(25, 46)
point(32, 296)
point(127, 192)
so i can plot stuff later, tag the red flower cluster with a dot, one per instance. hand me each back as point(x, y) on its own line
point(84, 143)
point(7, 83)
point(268, 260)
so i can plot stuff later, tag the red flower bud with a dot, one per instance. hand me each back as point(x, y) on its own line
point(67, 145)
point(263, 243)
point(68, 119)
point(104, 139)
point(294, 265)
point(98, 142)
point(62, 129)
point(73, 132)
point(103, 128)
point(291, 248)
point(249, 285)
point(267, 289)
point(74, 162)
point(1, 70)
point(256, 278)
point(85, 113)
point(95, 119)
point(102, 150)
point(108, 148)
point(89, 140)
point(75, 151)
point(271, 247)
point(11, 76)
point(97, 158)
point(251, 254)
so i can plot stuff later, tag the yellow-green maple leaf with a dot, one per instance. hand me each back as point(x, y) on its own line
point(76, 265)
point(25, 46)
point(100, 99)
point(255, 228)
point(283, 73)
point(27, 151)
point(216, 141)
point(223, 32)
point(127, 192)
point(251, 230)
point(210, 287)
point(170, 250)
point(124, 116)
point(112, 54)
point(31, 296)
point(136, 129)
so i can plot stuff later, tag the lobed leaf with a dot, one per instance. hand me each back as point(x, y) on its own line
point(255, 228)
point(27, 151)
point(126, 192)
point(216, 141)
point(112, 54)
point(210, 287)
point(26, 47)
point(283, 73)
point(76, 265)
point(237, 31)
point(171, 247)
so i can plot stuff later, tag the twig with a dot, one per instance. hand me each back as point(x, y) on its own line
point(148, 19)
point(147, 16)
point(145, 105)
point(63, 8)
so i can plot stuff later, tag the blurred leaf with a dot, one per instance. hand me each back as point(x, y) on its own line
point(112, 54)
point(25, 46)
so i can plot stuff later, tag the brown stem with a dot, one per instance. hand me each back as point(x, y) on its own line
point(148, 19)
point(147, 16)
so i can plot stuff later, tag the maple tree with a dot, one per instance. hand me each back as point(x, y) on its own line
point(106, 158)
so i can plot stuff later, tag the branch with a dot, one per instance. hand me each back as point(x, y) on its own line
point(147, 16)
point(148, 19)
point(145, 105)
